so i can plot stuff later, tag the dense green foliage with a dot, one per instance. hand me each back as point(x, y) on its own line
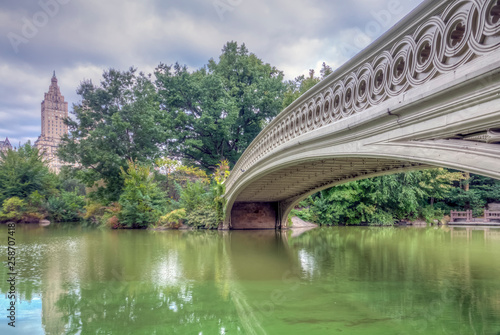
point(198, 117)
point(381, 200)
point(174, 219)
point(483, 190)
point(66, 207)
point(29, 192)
point(218, 110)
point(142, 202)
point(12, 209)
point(23, 172)
point(117, 121)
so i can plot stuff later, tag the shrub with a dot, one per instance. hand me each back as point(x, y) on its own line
point(142, 202)
point(12, 210)
point(65, 208)
point(204, 216)
point(94, 212)
point(430, 213)
point(110, 217)
point(173, 219)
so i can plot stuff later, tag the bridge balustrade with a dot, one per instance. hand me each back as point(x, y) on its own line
point(434, 45)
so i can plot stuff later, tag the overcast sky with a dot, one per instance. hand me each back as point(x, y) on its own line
point(80, 38)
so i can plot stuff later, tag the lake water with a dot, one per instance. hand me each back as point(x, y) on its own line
point(341, 280)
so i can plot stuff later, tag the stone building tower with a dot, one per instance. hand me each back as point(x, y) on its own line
point(5, 145)
point(54, 111)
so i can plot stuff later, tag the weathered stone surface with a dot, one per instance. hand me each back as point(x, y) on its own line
point(299, 223)
point(253, 216)
point(494, 206)
point(44, 222)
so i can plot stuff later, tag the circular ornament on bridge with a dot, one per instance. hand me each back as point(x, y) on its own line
point(287, 128)
point(303, 120)
point(297, 122)
point(310, 116)
point(401, 63)
point(349, 95)
point(281, 132)
point(486, 30)
point(337, 105)
point(363, 88)
point(348, 99)
point(276, 138)
point(379, 79)
point(318, 112)
point(422, 67)
point(456, 51)
point(328, 116)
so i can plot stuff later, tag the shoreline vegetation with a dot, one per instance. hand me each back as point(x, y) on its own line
point(153, 151)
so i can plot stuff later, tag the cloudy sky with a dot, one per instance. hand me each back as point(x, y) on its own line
point(80, 38)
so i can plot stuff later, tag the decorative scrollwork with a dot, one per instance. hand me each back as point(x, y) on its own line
point(466, 29)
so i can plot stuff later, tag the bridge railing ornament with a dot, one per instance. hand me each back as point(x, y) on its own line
point(464, 30)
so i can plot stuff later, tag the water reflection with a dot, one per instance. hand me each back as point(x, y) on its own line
point(355, 280)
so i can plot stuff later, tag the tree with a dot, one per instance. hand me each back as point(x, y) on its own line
point(382, 199)
point(482, 190)
point(141, 202)
point(301, 84)
point(119, 120)
point(326, 70)
point(219, 109)
point(23, 172)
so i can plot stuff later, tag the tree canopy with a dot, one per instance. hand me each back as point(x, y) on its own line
point(219, 109)
point(115, 122)
point(23, 172)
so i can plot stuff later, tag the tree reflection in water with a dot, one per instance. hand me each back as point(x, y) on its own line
point(355, 279)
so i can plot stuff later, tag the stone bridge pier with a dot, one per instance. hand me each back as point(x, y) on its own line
point(256, 215)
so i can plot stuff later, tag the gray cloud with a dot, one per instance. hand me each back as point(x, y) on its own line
point(80, 38)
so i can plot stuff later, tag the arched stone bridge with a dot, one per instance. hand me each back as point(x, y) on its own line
point(427, 93)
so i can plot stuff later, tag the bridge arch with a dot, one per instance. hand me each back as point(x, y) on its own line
point(426, 94)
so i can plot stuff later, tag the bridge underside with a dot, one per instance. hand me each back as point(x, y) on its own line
point(265, 203)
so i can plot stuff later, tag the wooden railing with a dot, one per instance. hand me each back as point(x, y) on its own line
point(455, 215)
point(490, 215)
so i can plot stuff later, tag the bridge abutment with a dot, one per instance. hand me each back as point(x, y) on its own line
point(256, 215)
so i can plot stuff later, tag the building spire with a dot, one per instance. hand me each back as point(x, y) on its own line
point(54, 79)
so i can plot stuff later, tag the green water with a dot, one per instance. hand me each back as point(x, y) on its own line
point(345, 280)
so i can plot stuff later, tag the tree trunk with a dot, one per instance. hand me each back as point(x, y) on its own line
point(466, 184)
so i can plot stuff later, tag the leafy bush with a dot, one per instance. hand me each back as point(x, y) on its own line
point(430, 213)
point(94, 212)
point(193, 195)
point(67, 207)
point(142, 202)
point(110, 217)
point(204, 216)
point(173, 219)
point(381, 200)
point(23, 172)
point(12, 209)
